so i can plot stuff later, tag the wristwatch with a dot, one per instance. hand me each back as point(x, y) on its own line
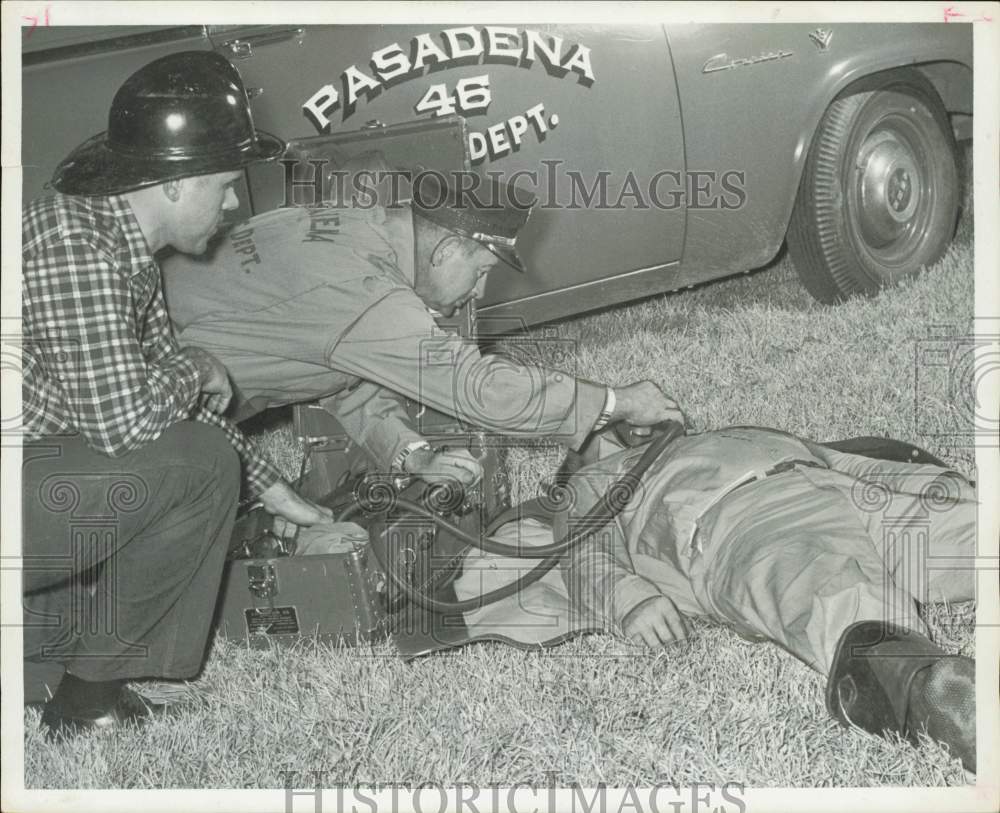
point(399, 461)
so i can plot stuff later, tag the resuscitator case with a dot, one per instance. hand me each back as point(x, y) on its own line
point(270, 595)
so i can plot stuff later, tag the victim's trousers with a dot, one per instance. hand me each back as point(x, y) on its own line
point(123, 556)
point(800, 556)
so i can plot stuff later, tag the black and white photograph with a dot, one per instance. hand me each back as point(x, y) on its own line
point(491, 406)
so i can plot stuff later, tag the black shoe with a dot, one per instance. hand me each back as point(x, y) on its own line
point(887, 678)
point(127, 708)
point(943, 704)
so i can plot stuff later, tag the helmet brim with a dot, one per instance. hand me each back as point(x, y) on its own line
point(96, 169)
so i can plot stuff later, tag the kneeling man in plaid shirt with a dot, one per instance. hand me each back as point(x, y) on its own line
point(130, 475)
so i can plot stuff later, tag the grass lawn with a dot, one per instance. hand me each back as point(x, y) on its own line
point(751, 350)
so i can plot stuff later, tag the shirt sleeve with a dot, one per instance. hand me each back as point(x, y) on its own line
point(157, 340)
point(375, 418)
point(90, 345)
point(260, 473)
point(398, 345)
point(598, 572)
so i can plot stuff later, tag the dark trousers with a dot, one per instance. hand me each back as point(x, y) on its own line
point(123, 556)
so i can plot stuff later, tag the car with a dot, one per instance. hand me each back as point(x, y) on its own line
point(661, 156)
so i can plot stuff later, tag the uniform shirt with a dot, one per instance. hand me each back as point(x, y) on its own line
point(302, 304)
point(99, 356)
point(660, 522)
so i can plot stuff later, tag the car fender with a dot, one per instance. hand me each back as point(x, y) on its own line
point(789, 93)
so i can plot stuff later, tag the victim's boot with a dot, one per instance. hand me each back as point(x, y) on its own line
point(888, 678)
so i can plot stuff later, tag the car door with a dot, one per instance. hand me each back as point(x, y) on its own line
point(606, 119)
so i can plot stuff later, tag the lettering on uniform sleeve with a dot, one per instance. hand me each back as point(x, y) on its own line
point(324, 225)
point(245, 247)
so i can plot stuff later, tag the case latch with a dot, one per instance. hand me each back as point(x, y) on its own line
point(262, 580)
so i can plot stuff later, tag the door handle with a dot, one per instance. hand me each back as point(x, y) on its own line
point(242, 47)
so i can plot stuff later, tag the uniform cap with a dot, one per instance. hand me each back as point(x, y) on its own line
point(491, 216)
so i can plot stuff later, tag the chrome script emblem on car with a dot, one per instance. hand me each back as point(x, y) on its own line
point(722, 62)
point(821, 38)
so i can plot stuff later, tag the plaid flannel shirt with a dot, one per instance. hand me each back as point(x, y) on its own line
point(99, 355)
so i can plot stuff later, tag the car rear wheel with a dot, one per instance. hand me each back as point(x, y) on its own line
point(879, 193)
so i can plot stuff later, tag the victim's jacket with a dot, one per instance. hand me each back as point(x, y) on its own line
point(648, 549)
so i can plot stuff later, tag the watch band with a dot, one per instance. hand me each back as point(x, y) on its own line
point(399, 461)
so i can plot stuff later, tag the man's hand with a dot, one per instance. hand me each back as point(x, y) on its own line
point(213, 378)
point(644, 404)
point(281, 499)
point(655, 622)
point(444, 467)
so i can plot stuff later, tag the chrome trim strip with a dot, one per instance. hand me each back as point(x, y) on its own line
point(62, 52)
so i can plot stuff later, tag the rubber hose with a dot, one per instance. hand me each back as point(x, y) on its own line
point(607, 508)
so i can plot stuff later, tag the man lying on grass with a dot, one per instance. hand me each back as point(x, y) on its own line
point(823, 552)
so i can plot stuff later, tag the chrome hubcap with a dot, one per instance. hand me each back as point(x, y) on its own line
point(890, 187)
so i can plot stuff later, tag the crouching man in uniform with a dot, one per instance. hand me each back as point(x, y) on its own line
point(820, 551)
point(131, 476)
point(336, 304)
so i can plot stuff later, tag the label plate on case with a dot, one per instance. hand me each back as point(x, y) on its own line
point(272, 621)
